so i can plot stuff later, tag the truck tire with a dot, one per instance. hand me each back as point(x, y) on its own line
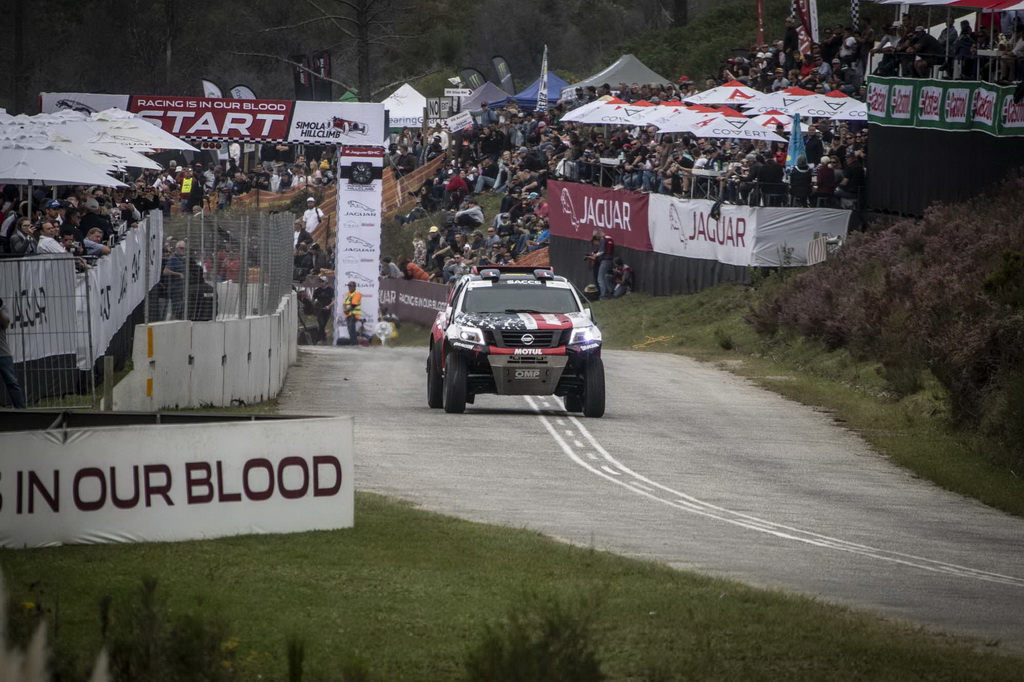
point(573, 402)
point(435, 382)
point(455, 384)
point(593, 388)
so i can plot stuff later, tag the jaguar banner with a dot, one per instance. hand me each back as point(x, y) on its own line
point(953, 106)
point(577, 210)
point(357, 240)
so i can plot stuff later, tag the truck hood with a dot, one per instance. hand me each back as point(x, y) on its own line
point(522, 321)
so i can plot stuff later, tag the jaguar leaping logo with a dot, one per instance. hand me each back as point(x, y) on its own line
point(358, 205)
point(675, 222)
point(358, 278)
point(75, 105)
point(569, 209)
point(360, 244)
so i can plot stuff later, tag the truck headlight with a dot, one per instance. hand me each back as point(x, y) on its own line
point(584, 335)
point(468, 334)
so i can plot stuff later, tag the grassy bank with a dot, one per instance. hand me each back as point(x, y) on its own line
point(410, 595)
point(913, 430)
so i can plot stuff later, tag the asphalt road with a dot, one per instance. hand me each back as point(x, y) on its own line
point(693, 467)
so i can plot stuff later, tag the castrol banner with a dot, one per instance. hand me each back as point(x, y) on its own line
point(577, 210)
point(686, 228)
point(149, 483)
point(951, 106)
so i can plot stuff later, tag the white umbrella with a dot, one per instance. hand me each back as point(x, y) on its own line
point(772, 118)
point(617, 112)
point(734, 127)
point(684, 121)
point(579, 112)
point(733, 93)
point(136, 131)
point(34, 163)
point(818, 106)
point(780, 99)
point(853, 110)
point(107, 155)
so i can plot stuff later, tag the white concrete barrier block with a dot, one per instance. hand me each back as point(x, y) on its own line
point(236, 368)
point(208, 364)
point(172, 344)
point(259, 358)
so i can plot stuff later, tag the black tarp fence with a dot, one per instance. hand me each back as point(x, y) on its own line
point(909, 169)
point(654, 273)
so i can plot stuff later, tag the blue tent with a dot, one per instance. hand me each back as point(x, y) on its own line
point(527, 99)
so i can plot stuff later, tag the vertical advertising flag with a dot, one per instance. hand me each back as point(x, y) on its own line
point(357, 235)
point(760, 22)
point(807, 23)
point(542, 93)
point(796, 143)
point(301, 75)
point(211, 89)
point(472, 78)
point(504, 73)
point(322, 91)
point(242, 92)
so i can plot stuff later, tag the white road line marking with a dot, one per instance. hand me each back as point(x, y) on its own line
point(578, 444)
point(591, 455)
point(560, 422)
point(570, 432)
point(682, 501)
point(638, 484)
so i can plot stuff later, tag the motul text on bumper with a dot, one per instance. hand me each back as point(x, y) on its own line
point(527, 371)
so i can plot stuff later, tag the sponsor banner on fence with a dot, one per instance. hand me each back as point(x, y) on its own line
point(782, 235)
point(190, 482)
point(355, 123)
point(741, 235)
point(357, 240)
point(116, 286)
point(412, 300)
point(254, 120)
point(944, 105)
point(577, 210)
point(686, 228)
point(38, 296)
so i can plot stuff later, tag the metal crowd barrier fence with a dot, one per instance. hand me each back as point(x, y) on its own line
point(223, 266)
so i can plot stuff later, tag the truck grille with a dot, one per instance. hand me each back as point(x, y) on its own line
point(541, 338)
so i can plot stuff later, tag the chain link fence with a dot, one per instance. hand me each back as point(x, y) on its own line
point(223, 266)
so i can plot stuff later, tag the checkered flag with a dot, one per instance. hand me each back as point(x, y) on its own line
point(854, 13)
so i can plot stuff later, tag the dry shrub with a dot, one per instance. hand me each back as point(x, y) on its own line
point(942, 293)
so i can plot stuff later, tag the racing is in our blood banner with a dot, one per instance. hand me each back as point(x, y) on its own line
point(204, 117)
point(357, 258)
point(577, 210)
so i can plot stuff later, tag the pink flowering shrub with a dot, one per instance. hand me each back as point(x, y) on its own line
point(943, 293)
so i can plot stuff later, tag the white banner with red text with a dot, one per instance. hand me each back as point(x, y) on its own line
point(739, 235)
point(357, 236)
point(190, 482)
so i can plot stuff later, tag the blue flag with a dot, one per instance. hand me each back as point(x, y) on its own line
point(796, 143)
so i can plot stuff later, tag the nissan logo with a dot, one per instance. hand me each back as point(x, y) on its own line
point(527, 339)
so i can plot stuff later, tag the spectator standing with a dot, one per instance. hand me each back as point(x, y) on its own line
point(22, 242)
point(10, 378)
point(302, 236)
point(353, 311)
point(323, 304)
point(93, 243)
point(602, 257)
point(312, 217)
point(175, 272)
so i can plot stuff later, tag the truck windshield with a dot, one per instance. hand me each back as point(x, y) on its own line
point(532, 298)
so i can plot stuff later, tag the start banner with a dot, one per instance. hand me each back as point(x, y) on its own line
point(136, 483)
point(953, 106)
point(250, 120)
point(577, 210)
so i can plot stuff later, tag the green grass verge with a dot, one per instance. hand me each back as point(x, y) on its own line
point(411, 593)
point(913, 430)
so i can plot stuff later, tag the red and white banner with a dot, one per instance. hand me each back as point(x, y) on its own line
point(577, 210)
point(360, 190)
point(249, 120)
point(740, 235)
point(807, 23)
point(163, 483)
